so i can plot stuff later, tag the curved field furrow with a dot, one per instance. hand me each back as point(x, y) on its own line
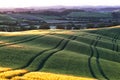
point(93, 51)
point(40, 66)
point(99, 66)
point(114, 41)
point(101, 44)
point(75, 53)
point(13, 39)
point(87, 40)
point(90, 64)
point(33, 58)
point(97, 60)
point(23, 40)
point(50, 54)
point(115, 46)
point(90, 58)
point(29, 62)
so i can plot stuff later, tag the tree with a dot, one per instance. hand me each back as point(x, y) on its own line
point(44, 26)
point(90, 25)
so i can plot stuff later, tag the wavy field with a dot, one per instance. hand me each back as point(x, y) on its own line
point(56, 54)
point(18, 75)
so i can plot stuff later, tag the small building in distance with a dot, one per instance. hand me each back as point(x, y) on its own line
point(61, 24)
point(52, 27)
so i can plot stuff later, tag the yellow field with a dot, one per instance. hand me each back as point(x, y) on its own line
point(48, 76)
point(9, 74)
point(36, 32)
point(58, 31)
point(2, 69)
point(103, 28)
point(12, 73)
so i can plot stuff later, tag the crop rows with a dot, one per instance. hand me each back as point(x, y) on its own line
point(45, 59)
point(94, 50)
point(22, 41)
point(43, 56)
point(114, 35)
point(93, 47)
point(36, 76)
point(114, 41)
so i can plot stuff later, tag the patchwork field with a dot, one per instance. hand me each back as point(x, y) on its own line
point(60, 55)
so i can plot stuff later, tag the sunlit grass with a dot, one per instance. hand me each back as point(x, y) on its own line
point(2, 69)
point(18, 49)
point(11, 73)
point(16, 75)
point(3, 42)
point(48, 76)
point(102, 28)
point(57, 31)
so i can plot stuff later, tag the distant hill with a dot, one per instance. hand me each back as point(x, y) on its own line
point(89, 14)
point(4, 17)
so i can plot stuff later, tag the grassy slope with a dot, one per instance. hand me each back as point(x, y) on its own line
point(88, 14)
point(5, 18)
point(92, 53)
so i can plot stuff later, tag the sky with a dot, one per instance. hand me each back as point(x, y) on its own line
point(45, 3)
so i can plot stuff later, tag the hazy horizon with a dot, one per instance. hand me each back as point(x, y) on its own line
point(47, 3)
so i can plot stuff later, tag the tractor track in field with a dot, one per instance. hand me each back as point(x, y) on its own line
point(99, 46)
point(114, 41)
point(92, 46)
point(47, 57)
point(90, 59)
point(23, 40)
point(33, 58)
point(97, 60)
point(99, 66)
point(40, 53)
point(3, 44)
point(50, 55)
point(29, 62)
point(115, 46)
point(93, 51)
point(89, 63)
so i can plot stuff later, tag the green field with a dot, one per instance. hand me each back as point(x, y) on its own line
point(4, 17)
point(86, 53)
point(89, 14)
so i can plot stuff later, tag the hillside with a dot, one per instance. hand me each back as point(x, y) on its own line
point(24, 16)
point(6, 18)
point(93, 54)
point(90, 14)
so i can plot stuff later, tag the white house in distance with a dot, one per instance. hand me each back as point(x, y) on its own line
point(53, 23)
point(52, 27)
point(37, 26)
point(4, 28)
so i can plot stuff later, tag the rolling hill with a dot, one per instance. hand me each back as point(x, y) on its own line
point(4, 17)
point(90, 14)
point(94, 54)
